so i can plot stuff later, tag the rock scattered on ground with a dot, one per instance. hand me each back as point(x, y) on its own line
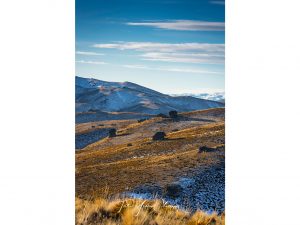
point(83, 140)
point(204, 190)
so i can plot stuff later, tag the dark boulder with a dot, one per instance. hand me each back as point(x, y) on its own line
point(112, 132)
point(159, 136)
point(173, 190)
point(173, 114)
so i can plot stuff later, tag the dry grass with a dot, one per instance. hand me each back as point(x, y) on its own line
point(139, 212)
point(127, 161)
point(131, 130)
point(112, 162)
point(91, 126)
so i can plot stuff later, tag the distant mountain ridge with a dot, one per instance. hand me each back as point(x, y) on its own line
point(214, 96)
point(93, 94)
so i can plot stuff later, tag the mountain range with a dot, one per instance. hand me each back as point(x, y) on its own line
point(98, 95)
point(214, 96)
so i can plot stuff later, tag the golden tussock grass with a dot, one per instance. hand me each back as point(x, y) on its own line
point(139, 212)
point(145, 161)
point(132, 158)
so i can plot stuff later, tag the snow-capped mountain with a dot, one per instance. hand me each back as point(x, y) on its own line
point(93, 94)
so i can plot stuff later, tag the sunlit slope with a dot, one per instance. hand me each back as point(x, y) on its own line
point(133, 158)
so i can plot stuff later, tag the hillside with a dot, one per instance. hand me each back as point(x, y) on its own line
point(96, 95)
point(133, 165)
point(136, 212)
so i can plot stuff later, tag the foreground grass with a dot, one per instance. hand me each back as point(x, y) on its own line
point(139, 212)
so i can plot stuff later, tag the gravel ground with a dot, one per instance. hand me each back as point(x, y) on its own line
point(203, 190)
point(82, 140)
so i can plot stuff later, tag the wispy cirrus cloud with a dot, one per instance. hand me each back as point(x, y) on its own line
point(136, 66)
point(179, 70)
point(164, 47)
point(184, 57)
point(183, 25)
point(91, 62)
point(88, 53)
point(170, 52)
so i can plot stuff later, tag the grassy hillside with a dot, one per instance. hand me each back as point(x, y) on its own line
point(139, 212)
point(133, 159)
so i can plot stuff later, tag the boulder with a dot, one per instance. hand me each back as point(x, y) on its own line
point(112, 132)
point(173, 190)
point(159, 136)
point(173, 114)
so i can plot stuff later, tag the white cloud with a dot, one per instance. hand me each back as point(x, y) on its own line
point(185, 25)
point(91, 62)
point(164, 47)
point(179, 70)
point(188, 70)
point(136, 66)
point(169, 52)
point(184, 57)
point(88, 53)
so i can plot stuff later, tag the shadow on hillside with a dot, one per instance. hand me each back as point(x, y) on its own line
point(183, 118)
point(120, 135)
point(173, 139)
point(195, 119)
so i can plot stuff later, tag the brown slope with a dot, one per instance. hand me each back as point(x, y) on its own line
point(132, 158)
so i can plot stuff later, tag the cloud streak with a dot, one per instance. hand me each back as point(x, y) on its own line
point(91, 62)
point(164, 47)
point(183, 25)
point(88, 53)
point(184, 57)
point(169, 52)
point(179, 70)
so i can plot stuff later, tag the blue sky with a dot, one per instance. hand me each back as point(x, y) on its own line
point(172, 46)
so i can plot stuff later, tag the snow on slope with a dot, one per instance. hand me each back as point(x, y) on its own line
point(93, 94)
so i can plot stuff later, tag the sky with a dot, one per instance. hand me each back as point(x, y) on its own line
point(172, 46)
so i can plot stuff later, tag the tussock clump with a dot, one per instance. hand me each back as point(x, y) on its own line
point(139, 212)
point(201, 218)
